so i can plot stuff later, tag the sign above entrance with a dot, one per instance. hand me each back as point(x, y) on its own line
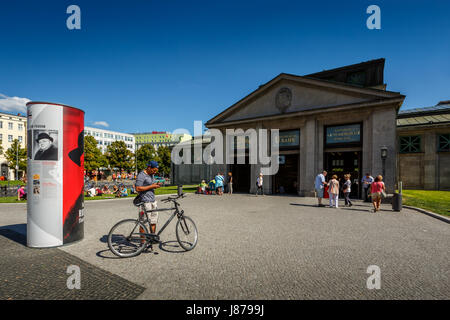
point(343, 134)
point(289, 138)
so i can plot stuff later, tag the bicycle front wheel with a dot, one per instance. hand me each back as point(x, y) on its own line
point(126, 239)
point(186, 232)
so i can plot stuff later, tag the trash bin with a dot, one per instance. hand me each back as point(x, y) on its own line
point(180, 190)
point(397, 202)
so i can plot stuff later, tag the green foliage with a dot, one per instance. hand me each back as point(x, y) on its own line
point(120, 157)
point(164, 160)
point(145, 154)
point(11, 156)
point(93, 157)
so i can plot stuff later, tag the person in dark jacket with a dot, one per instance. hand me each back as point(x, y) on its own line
point(47, 151)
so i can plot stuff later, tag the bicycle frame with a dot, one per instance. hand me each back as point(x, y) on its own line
point(176, 212)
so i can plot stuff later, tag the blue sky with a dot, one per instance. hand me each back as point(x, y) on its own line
point(159, 65)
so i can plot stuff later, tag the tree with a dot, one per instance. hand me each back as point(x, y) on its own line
point(119, 156)
point(164, 160)
point(14, 153)
point(93, 157)
point(145, 154)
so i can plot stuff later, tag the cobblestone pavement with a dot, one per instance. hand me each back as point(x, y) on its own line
point(274, 247)
point(42, 274)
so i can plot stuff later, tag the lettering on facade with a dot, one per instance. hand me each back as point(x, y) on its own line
point(343, 134)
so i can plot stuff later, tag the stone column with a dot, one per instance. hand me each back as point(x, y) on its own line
point(366, 136)
point(309, 155)
point(384, 125)
point(256, 168)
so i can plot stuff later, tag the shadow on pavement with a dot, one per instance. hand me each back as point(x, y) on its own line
point(305, 205)
point(111, 256)
point(15, 232)
point(169, 246)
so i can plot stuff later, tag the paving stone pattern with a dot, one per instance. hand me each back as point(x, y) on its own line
point(28, 273)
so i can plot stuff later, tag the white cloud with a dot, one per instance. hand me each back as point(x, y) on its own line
point(13, 104)
point(101, 123)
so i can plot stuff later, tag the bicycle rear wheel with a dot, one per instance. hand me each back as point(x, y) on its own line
point(126, 238)
point(186, 232)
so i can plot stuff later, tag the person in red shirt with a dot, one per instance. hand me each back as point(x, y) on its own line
point(377, 187)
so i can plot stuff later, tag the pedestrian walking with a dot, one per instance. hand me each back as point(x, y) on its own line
point(319, 185)
point(377, 189)
point(259, 184)
point(230, 183)
point(346, 188)
point(366, 182)
point(333, 190)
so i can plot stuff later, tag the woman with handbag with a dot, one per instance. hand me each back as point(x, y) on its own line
point(377, 189)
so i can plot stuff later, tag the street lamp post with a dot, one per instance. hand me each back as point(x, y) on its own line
point(383, 159)
point(135, 157)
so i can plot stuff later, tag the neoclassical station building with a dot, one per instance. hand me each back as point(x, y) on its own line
point(342, 120)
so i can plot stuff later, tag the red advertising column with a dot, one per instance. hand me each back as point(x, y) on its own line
point(55, 174)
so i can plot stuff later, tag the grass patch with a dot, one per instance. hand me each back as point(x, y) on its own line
point(435, 201)
point(11, 200)
point(160, 191)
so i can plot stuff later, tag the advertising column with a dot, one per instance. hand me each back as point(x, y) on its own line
point(55, 174)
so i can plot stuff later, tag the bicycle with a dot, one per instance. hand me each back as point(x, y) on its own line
point(129, 237)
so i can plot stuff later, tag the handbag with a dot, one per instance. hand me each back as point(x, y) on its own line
point(383, 194)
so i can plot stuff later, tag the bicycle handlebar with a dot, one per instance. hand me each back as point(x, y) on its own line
point(174, 198)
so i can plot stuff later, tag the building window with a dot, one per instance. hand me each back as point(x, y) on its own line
point(10, 125)
point(10, 138)
point(1, 137)
point(1, 124)
point(410, 144)
point(20, 139)
point(20, 126)
point(444, 142)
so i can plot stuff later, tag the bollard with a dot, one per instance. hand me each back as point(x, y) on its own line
point(397, 202)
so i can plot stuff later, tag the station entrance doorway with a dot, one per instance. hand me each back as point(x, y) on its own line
point(241, 175)
point(285, 181)
point(345, 162)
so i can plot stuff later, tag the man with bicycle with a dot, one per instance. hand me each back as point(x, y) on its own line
point(145, 185)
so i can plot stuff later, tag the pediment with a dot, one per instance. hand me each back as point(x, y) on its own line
point(292, 94)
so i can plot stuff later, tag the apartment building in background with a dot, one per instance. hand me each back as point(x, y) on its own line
point(11, 127)
point(106, 137)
